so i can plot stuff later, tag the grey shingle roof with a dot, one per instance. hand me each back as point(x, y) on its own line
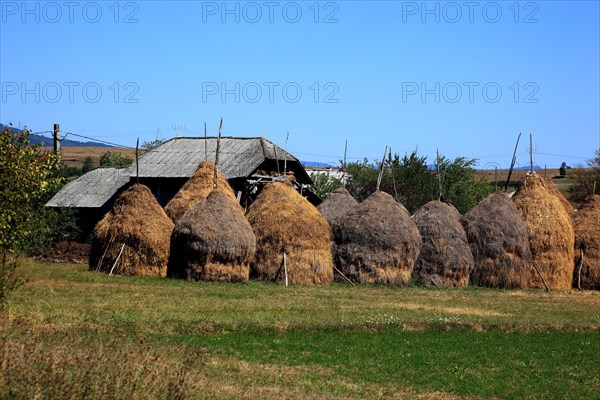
point(92, 190)
point(179, 157)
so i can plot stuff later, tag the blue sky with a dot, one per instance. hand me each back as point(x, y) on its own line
point(464, 78)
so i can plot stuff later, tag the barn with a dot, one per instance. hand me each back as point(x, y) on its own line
point(248, 163)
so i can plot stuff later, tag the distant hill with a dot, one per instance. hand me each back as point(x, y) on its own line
point(49, 142)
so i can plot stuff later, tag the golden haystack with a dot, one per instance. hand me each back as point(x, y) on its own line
point(284, 221)
point(336, 205)
point(551, 236)
point(586, 221)
point(551, 186)
point(499, 243)
point(377, 242)
point(445, 256)
point(196, 189)
point(133, 237)
point(212, 242)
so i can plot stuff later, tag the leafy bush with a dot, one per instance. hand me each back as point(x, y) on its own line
point(116, 160)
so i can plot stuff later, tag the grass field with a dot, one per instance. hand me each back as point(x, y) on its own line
point(72, 333)
point(73, 156)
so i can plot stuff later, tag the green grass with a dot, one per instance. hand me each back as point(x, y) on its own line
point(178, 339)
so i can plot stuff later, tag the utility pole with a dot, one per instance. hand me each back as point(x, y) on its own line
point(56, 139)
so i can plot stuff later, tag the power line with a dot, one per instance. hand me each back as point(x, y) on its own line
point(98, 140)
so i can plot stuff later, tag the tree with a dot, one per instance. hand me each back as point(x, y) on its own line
point(114, 159)
point(88, 165)
point(323, 183)
point(585, 180)
point(26, 176)
point(151, 145)
point(413, 183)
point(563, 169)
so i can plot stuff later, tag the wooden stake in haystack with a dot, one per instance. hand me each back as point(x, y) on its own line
point(137, 161)
point(205, 145)
point(381, 168)
point(215, 179)
point(530, 152)
point(512, 164)
point(344, 166)
point(285, 155)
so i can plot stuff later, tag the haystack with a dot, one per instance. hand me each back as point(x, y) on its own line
point(551, 236)
point(196, 189)
point(336, 205)
point(499, 243)
point(133, 237)
point(586, 221)
point(551, 186)
point(445, 258)
point(212, 242)
point(284, 221)
point(377, 242)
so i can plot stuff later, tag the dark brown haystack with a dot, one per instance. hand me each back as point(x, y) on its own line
point(377, 242)
point(551, 236)
point(499, 243)
point(196, 189)
point(445, 256)
point(337, 204)
point(133, 237)
point(212, 242)
point(586, 221)
point(551, 186)
point(283, 220)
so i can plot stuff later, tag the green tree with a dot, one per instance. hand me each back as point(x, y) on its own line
point(586, 180)
point(116, 160)
point(323, 184)
point(460, 186)
point(88, 165)
point(26, 176)
point(151, 145)
point(563, 169)
point(413, 183)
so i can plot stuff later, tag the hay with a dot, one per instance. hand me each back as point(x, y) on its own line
point(551, 186)
point(212, 242)
point(586, 221)
point(139, 227)
point(499, 243)
point(283, 220)
point(336, 205)
point(445, 255)
point(377, 242)
point(551, 236)
point(196, 189)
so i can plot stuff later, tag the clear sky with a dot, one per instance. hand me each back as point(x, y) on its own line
point(462, 77)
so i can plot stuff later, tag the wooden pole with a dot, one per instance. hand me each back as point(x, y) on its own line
point(393, 175)
point(530, 152)
point(117, 260)
point(343, 276)
point(276, 159)
point(381, 168)
point(439, 174)
point(344, 166)
point(285, 269)
point(56, 139)
point(512, 164)
point(215, 180)
point(137, 161)
point(286, 153)
point(541, 277)
point(205, 145)
point(580, 267)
